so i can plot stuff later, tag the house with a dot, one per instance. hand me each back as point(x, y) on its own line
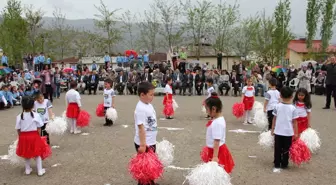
point(297, 51)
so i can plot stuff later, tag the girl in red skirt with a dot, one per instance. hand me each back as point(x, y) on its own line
point(215, 136)
point(30, 145)
point(73, 101)
point(303, 106)
point(168, 109)
point(248, 100)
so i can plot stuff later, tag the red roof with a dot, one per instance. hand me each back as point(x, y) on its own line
point(71, 60)
point(300, 46)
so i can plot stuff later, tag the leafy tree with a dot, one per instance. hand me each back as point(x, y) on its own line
point(328, 20)
point(128, 26)
point(106, 21)
point(312, 18)
point(34, 23)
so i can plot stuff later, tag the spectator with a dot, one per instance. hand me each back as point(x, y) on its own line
point(330, 68)
point(4, 60)
point(258, 83)
point(305, 76)
point(281, 78)
point(319, 84)
point(291, 74)
point(223, 82)
point(48, 84)
point(57, 80)
point(93, 82)
point(235, 81)
point(188, 80)
point(177, 81)
point(199, 82)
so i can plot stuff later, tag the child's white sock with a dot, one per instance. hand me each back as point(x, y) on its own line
point(27, 166)
point(70, 121)
point(40, 170)
point(76, 130)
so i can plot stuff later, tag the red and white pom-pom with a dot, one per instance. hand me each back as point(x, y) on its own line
point(238, 110)
point(57, 126)
point(13, 158)
point(208, 174)
point(175, 105)
point(299, 152)
point(146, 167)
point(266, 140)
point(112, 114)
point(205, 154)
point(83, 119)
point(46, 151)
point(100, 110)
point(312, 139)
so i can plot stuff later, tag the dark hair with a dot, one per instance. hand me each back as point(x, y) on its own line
point(38, 95)
point(210, 80)
point(144, 88)
point(306, 100)
point(214, 101)
point(27, 105)
point(168, 79)
point(109, 81)
point(273, 81)
point(73, 84)
point(286, 92)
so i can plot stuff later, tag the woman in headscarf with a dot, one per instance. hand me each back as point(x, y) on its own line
point(291, 74)
point(305, 76)
point(319, 84)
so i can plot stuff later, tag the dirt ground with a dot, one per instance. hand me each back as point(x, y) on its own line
point(102, 156)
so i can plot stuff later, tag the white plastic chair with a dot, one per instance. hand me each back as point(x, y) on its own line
point(294, 83)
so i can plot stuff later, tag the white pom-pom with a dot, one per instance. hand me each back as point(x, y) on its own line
point(58, 126)
point(175, 105)
point(13, 158)
point(257, 106)
point(266, 140)
point(165, 152)
point(208, 174)
point(64, 115)
point(312, 139)
point(260, 119)
point(203, 109)
point(111, 114)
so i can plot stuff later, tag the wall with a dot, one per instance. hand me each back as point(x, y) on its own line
point(213, 61)
point(295, 58)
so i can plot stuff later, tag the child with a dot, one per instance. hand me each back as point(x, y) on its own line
point(272, 98)
point(283, 128)
point(30, 144)
point(109, 99)
point(168, 110)
point(248, 100)
point(73, 103)
point(216, 133)
point(145, 119)
point(3, 101)
point(43, 107)
point(210, 90)
point(303, 106)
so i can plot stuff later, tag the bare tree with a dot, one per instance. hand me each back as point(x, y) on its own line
point(106, 21)
point(34, 23)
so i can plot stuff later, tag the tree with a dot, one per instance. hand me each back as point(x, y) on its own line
point(34, 23)
point(149, 30)
point(282, 34)
point(106, 21)
point(198, 23)
point(328, 19)
point(127, 19)
point(14, 31)
point(312, 18)
point(84, 42)
point(169, 13)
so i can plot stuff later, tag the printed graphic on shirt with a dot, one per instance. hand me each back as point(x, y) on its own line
point(41, 111)
point(151, 124)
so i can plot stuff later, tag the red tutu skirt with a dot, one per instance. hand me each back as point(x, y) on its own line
point(30, 145)
point(167, 99)
point(168, 109)
point(46, 150)
point(302, 124)
point(224, 156)
point(72, 110)
point(248, 102)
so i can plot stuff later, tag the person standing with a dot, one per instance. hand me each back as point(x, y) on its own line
point(219, 60)
point(183, 58)
point(4, 60)
point(41, 60)
point(48, 84)
point(330, 68)
point(107, 60)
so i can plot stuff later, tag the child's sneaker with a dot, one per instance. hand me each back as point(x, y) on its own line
point(77, 132)
point(28, 171)
point(245, 123)
point(42, 172)
point(276, 170)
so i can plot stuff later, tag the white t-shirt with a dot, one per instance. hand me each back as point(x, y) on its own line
point(272, 96)
point(28, 123)
point(72, 96)
point(248, 91)
point(209, 91)
point(168, 89)
point(42, 109)
point(145, 115)
point(285, 114)
point(302, 109)
point(108, 94)
point(216, 130)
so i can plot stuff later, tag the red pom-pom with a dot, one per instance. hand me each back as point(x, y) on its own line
point(205, 154)
point(299, 152)
point(46, 150)
point(83, 119)
point(100, 110)
point(238, 110)
point(145, 167)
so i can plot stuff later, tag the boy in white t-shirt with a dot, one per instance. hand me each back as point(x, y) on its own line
point(145, 119)
point(109, 99)
point(43, 107)
point(284, 128)
point(272, 98)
